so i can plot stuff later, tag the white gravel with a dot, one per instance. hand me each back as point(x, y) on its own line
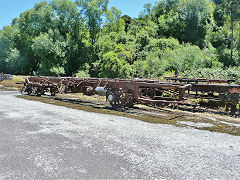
point(147, 150)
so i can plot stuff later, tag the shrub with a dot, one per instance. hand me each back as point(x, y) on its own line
point(114, 66)
point(189, 58)
point(232, 73)
point(82, 74)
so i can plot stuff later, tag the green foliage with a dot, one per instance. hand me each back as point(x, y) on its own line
point(127, 20)
point(51, 52)
point(113, 67)
point(84, 71)
point(87, 38)
point(82, 74)
point(114, 21)
point(93, 11)
point(164, 44)
point(190, 58)
point(215, 73)
point(53, 71)
point(57, 70)
point(187, 20)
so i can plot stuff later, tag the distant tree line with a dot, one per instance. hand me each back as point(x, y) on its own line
point(198, 38)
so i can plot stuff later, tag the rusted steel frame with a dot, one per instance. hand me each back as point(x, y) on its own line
point(44, 84)
point(132, 84)
point(81, 84)
point(180, 89)
point(161, 85)
point(125, 93)
point(113, 83)
point(135, 86)
point(198, 80)
point(223, 88)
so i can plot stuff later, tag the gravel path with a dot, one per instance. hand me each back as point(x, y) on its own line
point(44, 141)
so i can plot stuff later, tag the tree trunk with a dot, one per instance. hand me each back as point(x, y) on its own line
point(232, 42)
point(239, 43)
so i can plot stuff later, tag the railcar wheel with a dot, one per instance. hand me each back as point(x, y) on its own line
point(52, 91)
point(23, 90)
point(119, 99)
point(113, 98)
point(29, 91)
point(36, 91)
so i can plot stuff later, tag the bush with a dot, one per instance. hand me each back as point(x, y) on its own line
point(152, 67)
point(139, 68)
point(115, 66)
point(47, 70)
point(82, 74)
point(57, 71)
point(189, 58)
point(232, 73)
point(164, 44)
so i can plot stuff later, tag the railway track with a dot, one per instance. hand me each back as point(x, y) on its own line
point(138, 109)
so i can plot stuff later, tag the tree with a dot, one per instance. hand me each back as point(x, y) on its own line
point(51, 52)
point(233, 10)
point(114, 66)
point(93, 11)
point(114, 22)
point(197, 17)
point(11, 60)
point(186, 20)
point(68, 19)
point(31, 23)
point(128, 20)
point(85, 37)
point(146, 13)
point(72, 30)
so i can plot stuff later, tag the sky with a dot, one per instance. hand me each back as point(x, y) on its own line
point(10, 9)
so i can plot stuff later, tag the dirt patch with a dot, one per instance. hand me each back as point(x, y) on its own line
point(202, 121)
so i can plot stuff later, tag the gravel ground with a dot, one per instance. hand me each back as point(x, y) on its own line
point(44, 141)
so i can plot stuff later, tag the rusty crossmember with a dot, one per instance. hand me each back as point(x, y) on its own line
point(198, 80)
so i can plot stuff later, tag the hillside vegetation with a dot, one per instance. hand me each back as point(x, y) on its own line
point(199, 38)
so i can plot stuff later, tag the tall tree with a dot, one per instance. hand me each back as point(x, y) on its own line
point(31, 23)
point(113, 20)
point(70, 24)
point(128, 20)
point(197, 17)
point(233, 10)
point(93, 11)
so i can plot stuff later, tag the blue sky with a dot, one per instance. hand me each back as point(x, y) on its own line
point(9, 9)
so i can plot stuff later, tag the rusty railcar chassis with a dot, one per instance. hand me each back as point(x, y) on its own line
point(127, 92)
